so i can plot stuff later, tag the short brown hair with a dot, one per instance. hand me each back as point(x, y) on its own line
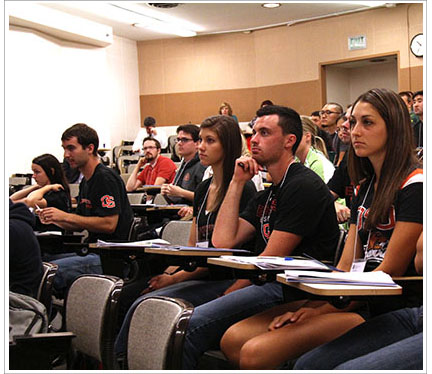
point(84, 134)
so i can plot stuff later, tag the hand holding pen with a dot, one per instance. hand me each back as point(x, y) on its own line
point(245, 169)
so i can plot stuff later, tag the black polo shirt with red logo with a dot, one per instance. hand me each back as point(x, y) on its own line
point(104, 194)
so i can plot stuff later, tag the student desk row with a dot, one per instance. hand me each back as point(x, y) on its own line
point(189, 260)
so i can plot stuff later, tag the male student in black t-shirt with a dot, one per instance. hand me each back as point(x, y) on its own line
point(103, 207)
point(295, 215)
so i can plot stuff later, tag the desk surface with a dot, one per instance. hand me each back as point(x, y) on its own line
point(340, 290)
point(174, 252)
point(231, 264)
point(147, 188)
point(150, 207)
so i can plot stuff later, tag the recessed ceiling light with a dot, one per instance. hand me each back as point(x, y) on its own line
point(271, 5)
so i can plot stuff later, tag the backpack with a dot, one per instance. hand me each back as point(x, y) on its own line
point(27, 316)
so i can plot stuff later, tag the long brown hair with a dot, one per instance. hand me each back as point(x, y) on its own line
point(54, 171)
point(399, 160)
point(230, 137)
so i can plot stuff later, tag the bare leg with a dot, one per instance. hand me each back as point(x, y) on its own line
point(272, 348)
point(239, 333)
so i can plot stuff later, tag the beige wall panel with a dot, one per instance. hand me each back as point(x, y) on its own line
point(281, 64)
point(176, 109)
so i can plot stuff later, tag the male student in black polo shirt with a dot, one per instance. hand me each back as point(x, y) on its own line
point(190, 172)
point(103, 207)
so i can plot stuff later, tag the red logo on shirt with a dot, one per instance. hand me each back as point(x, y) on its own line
point(108, 201)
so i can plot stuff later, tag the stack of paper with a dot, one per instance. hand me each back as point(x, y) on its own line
point(278, 263)
point(373, 278)
point(142, 243)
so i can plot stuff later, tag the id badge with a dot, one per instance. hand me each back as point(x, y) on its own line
point(204, 244)
point(358, 266)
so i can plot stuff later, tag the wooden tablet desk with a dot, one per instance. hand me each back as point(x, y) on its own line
point(149, 188)
point(189, 260)
point(340, 290)
point(245, 271)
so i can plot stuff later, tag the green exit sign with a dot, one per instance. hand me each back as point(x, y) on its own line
point(357, 42)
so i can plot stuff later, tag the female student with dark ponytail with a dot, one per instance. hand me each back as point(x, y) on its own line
point(220, 145)
point(51, 188)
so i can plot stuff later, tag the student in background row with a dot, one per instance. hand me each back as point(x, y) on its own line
point(340, 183)
point(324, 135)
point(220, 146)
point(418, 123)
point(263, 104)
point(225, 109)
point(149, 131)
point(157, 170)
point(190, 172)
point(51, 188)
point(386, 220)
point(312, 152)
point(103, 207)
point(391, 341)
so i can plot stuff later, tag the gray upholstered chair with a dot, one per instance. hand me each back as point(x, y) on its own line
point(44, 294)
point(91, 314)
point(159, 199)
point(177, 232)
point(156, 334)
point(136, 198)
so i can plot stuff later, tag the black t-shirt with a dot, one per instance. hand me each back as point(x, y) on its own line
point(56, 199)
point(301, 205)
point(408, 207)
point(104, 194)
point(205, 220)
point(340, 182)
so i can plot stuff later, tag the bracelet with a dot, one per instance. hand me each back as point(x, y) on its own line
point(165, 272)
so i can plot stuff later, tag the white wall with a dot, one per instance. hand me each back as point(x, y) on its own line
point(382, 75)
point(52, 84)
point(344, 85)
point(338, 87)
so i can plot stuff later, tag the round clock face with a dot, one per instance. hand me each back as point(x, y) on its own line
point(417, 45)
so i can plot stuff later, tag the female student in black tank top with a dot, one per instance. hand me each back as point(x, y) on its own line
point(220, 146)
point(386, 220)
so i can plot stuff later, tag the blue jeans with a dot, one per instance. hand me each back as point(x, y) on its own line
point(210, 320)
point(197, 292)
point(69, 268)
point(406, 354)
point(363, 347)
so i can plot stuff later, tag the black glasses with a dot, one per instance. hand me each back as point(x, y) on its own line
point(328, 112)
point(183, 140)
